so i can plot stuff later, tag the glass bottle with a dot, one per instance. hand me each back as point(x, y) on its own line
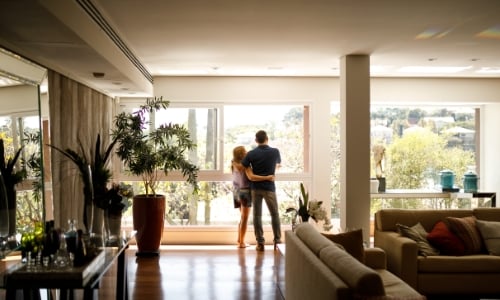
point(61, 258)
point(71, 237)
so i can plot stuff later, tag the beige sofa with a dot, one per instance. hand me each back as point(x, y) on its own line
point(435, 275)
point(316, 268)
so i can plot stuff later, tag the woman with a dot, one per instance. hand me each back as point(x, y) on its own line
point(241, 191)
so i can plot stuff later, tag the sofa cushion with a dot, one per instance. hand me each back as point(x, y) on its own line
point(467, 264)
point(311, 238)
point(465, 228)
point(364, 281)
point(351, 241)
point(419, 235)
point(490, 232)
point(445, 241)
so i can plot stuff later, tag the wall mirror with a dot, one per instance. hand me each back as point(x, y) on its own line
point(22, 204)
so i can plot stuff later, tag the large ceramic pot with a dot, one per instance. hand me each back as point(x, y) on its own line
point(148, 214)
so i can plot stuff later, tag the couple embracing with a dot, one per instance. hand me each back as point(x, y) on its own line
point(253, 181)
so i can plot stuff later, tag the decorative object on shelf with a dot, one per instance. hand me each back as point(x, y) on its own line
point(146, 153)
point(11, 176)
point(470, 181)
point(302, 211)
point(448, 181)
point(32, 241)
point(318, 214)
point(374, 184)
point(70, 237)
point(95, 175)
point(120, 198)
point(378, 157)
point(308, 209)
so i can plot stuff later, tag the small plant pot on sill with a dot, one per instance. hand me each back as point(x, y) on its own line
point(381, 184)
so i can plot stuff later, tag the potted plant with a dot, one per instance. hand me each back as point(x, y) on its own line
point(11, 177)
point(96, 176)
point(303, 210)
point(146, 153)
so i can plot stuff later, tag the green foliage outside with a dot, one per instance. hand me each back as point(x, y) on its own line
point(415, 156)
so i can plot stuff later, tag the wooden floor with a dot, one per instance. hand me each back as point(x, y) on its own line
point(206, 272)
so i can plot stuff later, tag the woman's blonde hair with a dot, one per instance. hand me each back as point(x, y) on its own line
point(238, 154)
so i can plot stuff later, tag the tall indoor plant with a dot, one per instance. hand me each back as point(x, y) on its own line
point(146, 153)
point(11, 176)
point(95, 175)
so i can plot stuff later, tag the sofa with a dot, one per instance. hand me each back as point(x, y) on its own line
point(317, 268)
point(466, 242)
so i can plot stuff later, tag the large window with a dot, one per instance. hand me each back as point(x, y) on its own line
point(419, 143)
point(217, 129)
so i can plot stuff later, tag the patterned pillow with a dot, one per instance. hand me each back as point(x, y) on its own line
point(351, 241)
point(418, 234)
point(446, 241)
point(490, 232)
point(465, 228)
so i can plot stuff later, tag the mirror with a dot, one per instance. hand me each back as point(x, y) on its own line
point(21, 143)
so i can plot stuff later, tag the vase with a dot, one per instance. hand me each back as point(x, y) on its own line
point(113, 224)
point(148, 217)
point(304, 218)
point(96, 231)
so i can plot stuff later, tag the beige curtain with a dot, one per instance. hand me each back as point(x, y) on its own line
point(77, 114)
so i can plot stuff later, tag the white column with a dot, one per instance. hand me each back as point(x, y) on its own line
point(355, 143)
point(489, 176)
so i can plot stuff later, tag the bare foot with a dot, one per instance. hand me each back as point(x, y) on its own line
point(243, 245)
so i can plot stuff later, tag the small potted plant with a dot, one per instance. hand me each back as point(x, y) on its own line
point(146, 154)
point(303, 210)
point(119, 199)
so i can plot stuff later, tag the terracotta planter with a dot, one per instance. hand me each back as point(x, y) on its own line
point(148, 216)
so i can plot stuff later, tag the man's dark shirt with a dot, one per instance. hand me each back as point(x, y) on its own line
point(263, 160)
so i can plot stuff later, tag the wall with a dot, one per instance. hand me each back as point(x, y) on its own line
point(18, 98)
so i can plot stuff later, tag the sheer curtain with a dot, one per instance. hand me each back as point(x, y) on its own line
point(77, 114)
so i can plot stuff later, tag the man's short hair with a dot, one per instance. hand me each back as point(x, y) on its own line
point(260, 136)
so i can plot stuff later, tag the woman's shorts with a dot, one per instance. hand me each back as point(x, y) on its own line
point(242, 197)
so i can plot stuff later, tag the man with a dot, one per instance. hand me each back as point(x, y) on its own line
point(263, 161)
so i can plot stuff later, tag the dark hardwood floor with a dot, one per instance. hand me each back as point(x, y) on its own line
point(205, 272)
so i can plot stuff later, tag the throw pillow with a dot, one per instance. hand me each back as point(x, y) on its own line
point(351, 241)
point(465, 228)
point(490, 232)
point(445, 241)
point(418, 234)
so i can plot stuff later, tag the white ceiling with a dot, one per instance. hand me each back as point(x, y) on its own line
point(249, 38)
